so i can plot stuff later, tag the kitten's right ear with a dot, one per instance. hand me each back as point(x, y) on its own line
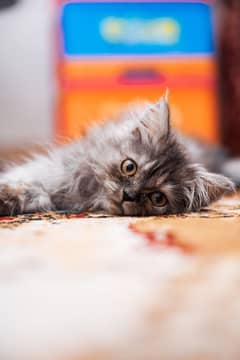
point(156, 117)
point(206, 188)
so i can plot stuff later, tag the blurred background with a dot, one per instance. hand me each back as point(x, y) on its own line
point(67, 64)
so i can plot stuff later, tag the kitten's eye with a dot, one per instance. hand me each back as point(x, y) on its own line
point(129, 167)
point(158, 198)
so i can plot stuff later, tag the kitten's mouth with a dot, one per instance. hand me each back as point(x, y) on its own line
point(130, 204)
point(127, 205)
point(131, 209)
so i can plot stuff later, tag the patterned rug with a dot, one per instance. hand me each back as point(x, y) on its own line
point(79, 286)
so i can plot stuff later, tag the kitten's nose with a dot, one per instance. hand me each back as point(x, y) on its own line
point(130, 197)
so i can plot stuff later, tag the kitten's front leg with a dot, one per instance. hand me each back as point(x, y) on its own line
point(10, 200)
point(43, 184)
point(19, 198)
point(30, 187)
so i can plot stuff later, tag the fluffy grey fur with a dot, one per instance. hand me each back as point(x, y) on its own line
point(89, 175)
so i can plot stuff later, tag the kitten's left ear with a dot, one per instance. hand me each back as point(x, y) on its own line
point(156, 117)
point(206, 188)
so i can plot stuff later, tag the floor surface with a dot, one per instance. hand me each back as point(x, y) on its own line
point(85, 287)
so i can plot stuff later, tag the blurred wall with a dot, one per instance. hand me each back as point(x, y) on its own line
point(26, 72)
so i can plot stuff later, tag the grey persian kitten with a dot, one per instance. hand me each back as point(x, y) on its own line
point(136, 166)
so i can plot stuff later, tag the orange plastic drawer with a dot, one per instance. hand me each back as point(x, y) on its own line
point(193, 108)
point(112, 53)
point(113, 72)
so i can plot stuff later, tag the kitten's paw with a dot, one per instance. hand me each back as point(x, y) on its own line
point(10, 200)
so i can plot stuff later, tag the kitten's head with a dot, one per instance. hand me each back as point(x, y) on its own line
point(144, 170)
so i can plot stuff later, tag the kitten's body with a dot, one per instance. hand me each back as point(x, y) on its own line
point(88, 175)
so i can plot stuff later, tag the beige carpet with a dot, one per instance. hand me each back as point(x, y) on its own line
point(75, 287)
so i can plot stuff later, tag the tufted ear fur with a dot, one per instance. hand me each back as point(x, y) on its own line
point(156, 117)
point(206, 188)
